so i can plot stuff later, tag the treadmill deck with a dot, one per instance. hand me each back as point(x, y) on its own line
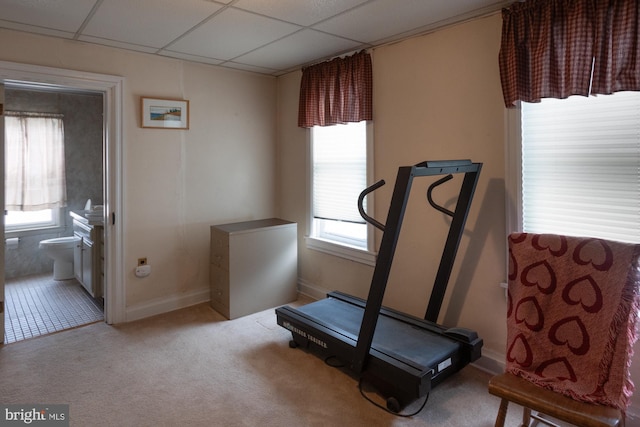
point(401, 341)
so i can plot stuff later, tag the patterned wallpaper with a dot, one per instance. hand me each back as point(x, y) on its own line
point(84, 165)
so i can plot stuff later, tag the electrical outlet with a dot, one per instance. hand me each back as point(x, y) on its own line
point(142, 261)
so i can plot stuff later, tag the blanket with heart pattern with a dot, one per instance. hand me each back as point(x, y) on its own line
point(571, 317)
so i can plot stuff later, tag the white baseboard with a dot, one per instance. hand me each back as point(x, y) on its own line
point(310, 290)
point(167, 304)
point(176, 302)
point(491, 362)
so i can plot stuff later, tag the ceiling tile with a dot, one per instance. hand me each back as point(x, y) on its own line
point(302, 12)
point(59, 15)
point(231, 33)
point(381, 19)
point(153, 23)
point(300, 48)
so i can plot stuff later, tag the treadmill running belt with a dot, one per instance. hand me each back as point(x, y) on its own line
point(419, 348)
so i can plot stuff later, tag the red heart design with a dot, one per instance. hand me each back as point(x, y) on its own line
point(571, 332)
point(517, 237)
point(558, 368)
point(556, 245)
point(595, 252)
point(520, 352)
point(583, 290)
point(528, 311)
point(540, 274)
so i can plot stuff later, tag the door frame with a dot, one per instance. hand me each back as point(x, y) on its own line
point(112, 88)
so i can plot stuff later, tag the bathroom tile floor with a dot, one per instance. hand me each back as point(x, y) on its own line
point(38, 305)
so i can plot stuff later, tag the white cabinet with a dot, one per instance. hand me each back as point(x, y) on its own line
point(87, 260)
point(253, 266)
point(87, 267)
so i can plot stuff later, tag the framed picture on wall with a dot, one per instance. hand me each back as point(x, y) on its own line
point(164, 113)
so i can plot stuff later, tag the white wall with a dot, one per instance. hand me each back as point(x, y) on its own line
point(177, 183)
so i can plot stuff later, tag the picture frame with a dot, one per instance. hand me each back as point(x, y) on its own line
point(160, 113)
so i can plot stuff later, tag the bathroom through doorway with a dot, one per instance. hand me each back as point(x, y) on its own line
point(110, 89)
point(54, 257)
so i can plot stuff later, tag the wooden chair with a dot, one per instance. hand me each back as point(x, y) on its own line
point(571, 323)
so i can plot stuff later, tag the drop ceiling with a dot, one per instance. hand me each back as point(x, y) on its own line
point(265, 36)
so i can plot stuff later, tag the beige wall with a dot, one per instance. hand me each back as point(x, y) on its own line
point(436, 97)
point(177, 183)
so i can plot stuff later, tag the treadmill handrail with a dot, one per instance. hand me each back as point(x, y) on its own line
point(430, 199)
point(361, 197)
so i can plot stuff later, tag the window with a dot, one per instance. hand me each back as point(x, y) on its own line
point(578, 167)
point(339, 164)
point(30, 220)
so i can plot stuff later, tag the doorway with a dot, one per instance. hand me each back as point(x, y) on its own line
point(111, 88)
point(37, 303)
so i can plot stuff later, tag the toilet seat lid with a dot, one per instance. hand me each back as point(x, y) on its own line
point(60, 241)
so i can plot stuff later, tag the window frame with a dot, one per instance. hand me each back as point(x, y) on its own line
point(57, 224)
point(513, 169)
point(334, 247)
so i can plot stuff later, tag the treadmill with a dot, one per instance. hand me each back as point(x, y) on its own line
point(402, 356)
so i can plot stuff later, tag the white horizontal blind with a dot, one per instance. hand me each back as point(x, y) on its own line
point(339, 171)
point(581, 166)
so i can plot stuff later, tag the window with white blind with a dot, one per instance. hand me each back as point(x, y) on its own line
point(580, 167)
point(339, 164)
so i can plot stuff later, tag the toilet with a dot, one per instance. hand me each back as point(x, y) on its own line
point(61, 251)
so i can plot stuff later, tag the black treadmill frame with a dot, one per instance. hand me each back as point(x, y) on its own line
point(407, 382)
point(397, 208)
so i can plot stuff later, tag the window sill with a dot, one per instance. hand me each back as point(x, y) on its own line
point(343, 251)
point(34, 231)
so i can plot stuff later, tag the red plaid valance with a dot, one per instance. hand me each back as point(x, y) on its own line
point(336, 92)
point(559, 48)
point(617, 64)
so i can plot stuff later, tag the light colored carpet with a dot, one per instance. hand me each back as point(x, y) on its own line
point(193, 367)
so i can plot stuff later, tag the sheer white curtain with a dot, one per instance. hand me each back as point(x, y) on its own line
point(34, 162)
